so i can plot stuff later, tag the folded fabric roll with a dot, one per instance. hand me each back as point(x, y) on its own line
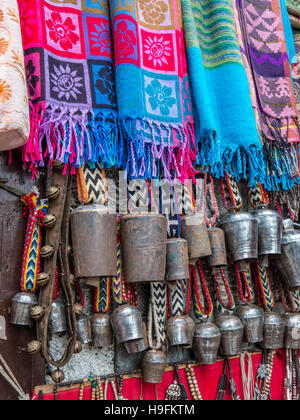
point(14, 108)
point(293, 7)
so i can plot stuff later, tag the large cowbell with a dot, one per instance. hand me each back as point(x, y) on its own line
point(144, 247)
point(218, 247)
point(292, 331)
point(154, 365)
point(289, 261)
point(177, 259)
point(180, 331)
point(241, 232)
point(94, 238)
point(207, 340)
point(58, 318)
point(274, 330)
point(102, 333)
point(21, 306)
point(232, 331)
point(253, 319)
point(269, 235)
point(127, 324)
point(194, 231)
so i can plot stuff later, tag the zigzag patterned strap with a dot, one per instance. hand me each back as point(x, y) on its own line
point(230, 192)
point(159, 311)
point(138, 195)
point(258, 196)
point(263, 286)
point(31, 256)
point(244, 279)
point(102, 296)
point(91, 185)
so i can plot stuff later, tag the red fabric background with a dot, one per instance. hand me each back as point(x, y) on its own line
point(208, 379)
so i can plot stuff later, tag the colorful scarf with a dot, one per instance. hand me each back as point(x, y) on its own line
point(267, 64)
point(226, 131)
point(293, 7)
point(296, 73)
point(14, 109)
point(108, 82)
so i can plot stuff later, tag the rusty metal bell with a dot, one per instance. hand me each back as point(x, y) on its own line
point(58, 318)
point(232, 331)
point(127, 324)
point(270, 228)
point(137, 346)
point(102, 333)
point(253, 319)
point(144, 247)
point(218, 247)
point(177, 259)
point(94, 237)
point(292, 331)
point(154, 365)
point(194, 231)
point(84, 329)
point(274, 330)
point(21, 306)
point(207, 340)
point(288, 262)
point(241, 233)
point(179, 331)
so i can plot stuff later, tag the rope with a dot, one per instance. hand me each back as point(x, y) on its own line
point(220, 276)
point(199, 309)
point(248, 379)
point(11, 379)
point(244, 279)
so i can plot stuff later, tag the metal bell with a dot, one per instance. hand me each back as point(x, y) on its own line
point(102, 332)
point(53, 193)
point(137, 346)
point(218, 247)
point(269, 234)
point(84, 329)
point(179, 331)
point(194, 231)
point(127, 324)
point(241, 233)
point(177, 259)
point(21, 306)
point(58, 318)
point(232, 331)
point(144, 245)
point(49, 221)
point(292, 331)
point(154, 365)
point(274, 329)
point(253, 319)
point(94, 237)
point(288, 262)
point(207, 340)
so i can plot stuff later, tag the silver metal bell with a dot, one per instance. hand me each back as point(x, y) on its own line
point(292, 331)
point(232, 331)
point(180, 331)
point(289, 262)
point(270, 229)
point(21, 306)
point(241, 233)
point(127, 324)
point(58, 318)
point(274, 329)
point(154, 365)
point(253, 319)
point(137, 346)
point(177, 259)
point(218, 247)
point(84, 329)
point(194, 231)
point(102, 333)
point(207, 340)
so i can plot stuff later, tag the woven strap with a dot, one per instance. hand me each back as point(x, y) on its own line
point(263, 286)
point(158, 307)
point(138, 196)
point(102, 296)
point(258, 196)
point(245, 285)
point(230, 193)
point(201, 292)
point(91, 185)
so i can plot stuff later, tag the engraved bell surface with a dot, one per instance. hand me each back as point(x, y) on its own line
point(253, 319)
point(207, 340)
point(21, 306)
point(232, 331)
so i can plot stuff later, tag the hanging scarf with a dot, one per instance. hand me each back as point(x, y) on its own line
point(263, 44)
point(226, 133)
point(296, 73)
point(108, 82)
point(14, 109)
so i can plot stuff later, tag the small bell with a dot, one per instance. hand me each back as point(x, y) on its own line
point(53, 193)
point(241, 233)
point(47, 252)
point(232, 331)
point(34, 347)
point(102, 333)
point(58, 376)
point(137, 346)
point(194, 231)
point(49, 221)
point(58, 318)
point(43, 279)
point(207, 340)
point(78, 347)
point(274, 329)
point(179, 331)
point(154, 365)
point(292, 331)
point(127, 324)
point(177, 259)
point(78, 309)
point(84, 329)
point(37, 312)
point(253, 319)
point(21, 306)
point(57, 164)
point(218, 248)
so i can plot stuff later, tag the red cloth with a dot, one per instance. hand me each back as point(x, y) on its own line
point(207, 376)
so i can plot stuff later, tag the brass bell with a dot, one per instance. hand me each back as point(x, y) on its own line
point(34, 347)
point(21, 306)
point(57, 164)
point(58, 318)
point(232, 331)
point(84, 329)
point(180, 331)
point(274, 329)
point(127, 324)
point(102, 333)
point(53, 193)
point(78, 347)
point(194, 231)
point(58, 376)
point(177, 259)
point(218, 247)
point(78, 309)
point(49, 221)
point(154, 365)
point(43, 279)
point(37, 312)
point(47, 251)
point(207, 340)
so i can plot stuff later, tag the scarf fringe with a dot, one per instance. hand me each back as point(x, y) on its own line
point(275, 167)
